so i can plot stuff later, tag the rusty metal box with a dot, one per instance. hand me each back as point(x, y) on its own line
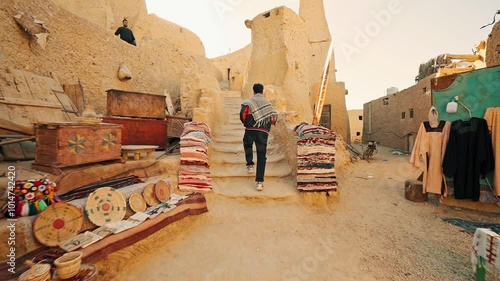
point(134, 104)
point(139, 131)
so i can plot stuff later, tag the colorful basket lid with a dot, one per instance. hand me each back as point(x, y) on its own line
point(59, 222)
point(137, 203)
point(105, 205)
point(162, 191)
point(149, 195)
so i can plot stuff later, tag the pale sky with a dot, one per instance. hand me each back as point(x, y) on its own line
point(378, 44)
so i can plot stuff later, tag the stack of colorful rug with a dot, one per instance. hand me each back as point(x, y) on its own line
point(316, 158)
point(194, 172)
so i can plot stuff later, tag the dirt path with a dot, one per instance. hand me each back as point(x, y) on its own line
point(370, 232)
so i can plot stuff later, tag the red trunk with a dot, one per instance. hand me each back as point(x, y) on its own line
point(137, 131)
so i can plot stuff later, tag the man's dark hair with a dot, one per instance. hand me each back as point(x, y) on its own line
point(124, 20)
point(258, 88)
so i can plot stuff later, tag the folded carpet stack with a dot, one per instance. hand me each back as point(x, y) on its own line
point(194, 172)
point(316, 158)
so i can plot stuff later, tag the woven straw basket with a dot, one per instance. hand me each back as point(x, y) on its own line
point(37, 272)
point(68, 265)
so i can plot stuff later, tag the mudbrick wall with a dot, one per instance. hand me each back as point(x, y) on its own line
point(79, 49)
point(493, 47)
point(383, 119)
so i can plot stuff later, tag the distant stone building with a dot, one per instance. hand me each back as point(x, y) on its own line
point(356, 125)
point(394, 120)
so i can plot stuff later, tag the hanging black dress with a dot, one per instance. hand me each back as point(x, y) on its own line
point(468, 156)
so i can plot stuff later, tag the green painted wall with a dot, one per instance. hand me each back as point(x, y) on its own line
point(477, 90)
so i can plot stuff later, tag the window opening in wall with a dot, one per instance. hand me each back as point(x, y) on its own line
point(360, 117)
point(268, 14)
point(424, 89)
point(386, 101)
point(326, 116)
point(411, 112)
point(403, 115)
point(358, 134)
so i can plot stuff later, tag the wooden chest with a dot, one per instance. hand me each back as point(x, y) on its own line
point(138, 131)
point(176, 125)
point(133, 104)
point(69, 144)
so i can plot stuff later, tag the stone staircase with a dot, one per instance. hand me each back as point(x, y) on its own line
point(227, 161)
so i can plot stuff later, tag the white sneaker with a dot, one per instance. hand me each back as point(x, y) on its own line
point(250, 169)
point(260, 186)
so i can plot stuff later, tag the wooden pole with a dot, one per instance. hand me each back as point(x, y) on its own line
point(16, 127)
point(463, 57)
point(16, 141)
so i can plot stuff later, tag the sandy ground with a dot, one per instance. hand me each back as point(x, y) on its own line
point(369, 232)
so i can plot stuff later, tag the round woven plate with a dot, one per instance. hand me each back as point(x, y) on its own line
point(37, 272)
point(162, 191)
point(59, 222)
point(105, 205)
point(137, 203)
point(149, 195)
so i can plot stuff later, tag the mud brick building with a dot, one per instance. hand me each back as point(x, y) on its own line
point(393, 120)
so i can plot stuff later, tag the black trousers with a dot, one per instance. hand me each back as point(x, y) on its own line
point(260, 140)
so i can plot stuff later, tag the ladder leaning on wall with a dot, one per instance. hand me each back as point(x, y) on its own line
point(320, 99)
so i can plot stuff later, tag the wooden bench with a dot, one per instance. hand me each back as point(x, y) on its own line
point(137, 150)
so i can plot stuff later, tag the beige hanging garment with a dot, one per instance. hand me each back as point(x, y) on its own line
point(429, 149)
point(492, 117)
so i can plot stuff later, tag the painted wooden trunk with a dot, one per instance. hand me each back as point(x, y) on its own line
point(138, 131)
point(133, 104)
point(176, 125)
point(69, 144)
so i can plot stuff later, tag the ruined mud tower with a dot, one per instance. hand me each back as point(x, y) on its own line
point(313, 13)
